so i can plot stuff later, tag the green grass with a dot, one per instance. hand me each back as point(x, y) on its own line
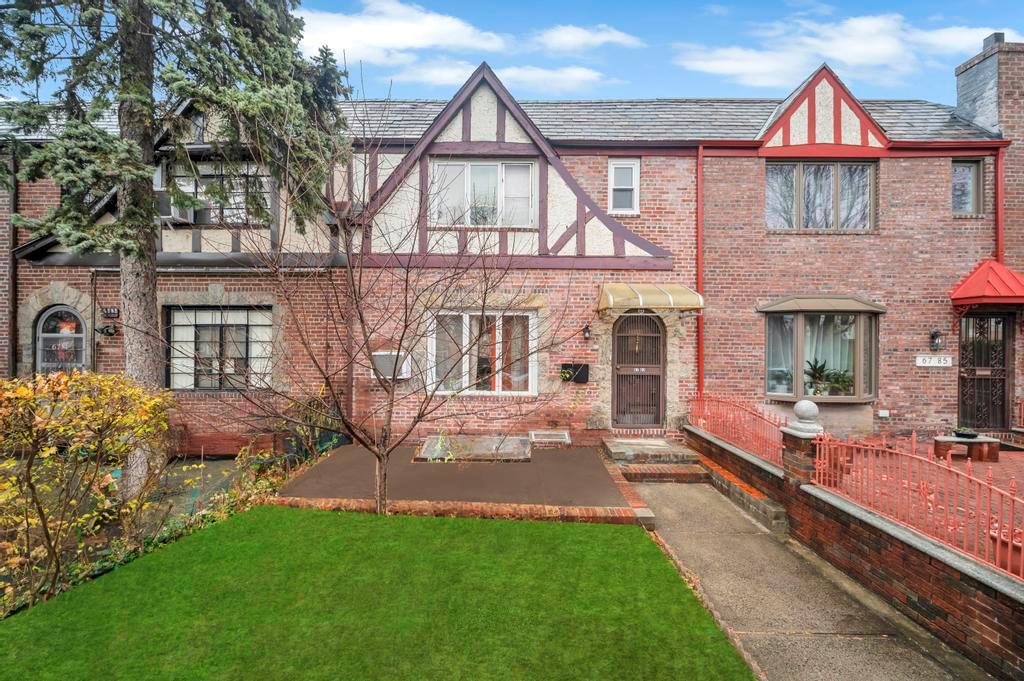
point(281, 593)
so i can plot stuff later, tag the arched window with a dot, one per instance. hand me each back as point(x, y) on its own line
point(60, 340)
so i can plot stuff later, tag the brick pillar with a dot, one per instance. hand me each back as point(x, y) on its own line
point(798, 443)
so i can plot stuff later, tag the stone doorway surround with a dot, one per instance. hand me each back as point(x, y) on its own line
point(54, 293)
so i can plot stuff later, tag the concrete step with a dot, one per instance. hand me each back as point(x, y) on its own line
point(647, 450)
point(769, 513)
point(664, 472)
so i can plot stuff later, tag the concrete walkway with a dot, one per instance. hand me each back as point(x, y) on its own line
point(796, 616)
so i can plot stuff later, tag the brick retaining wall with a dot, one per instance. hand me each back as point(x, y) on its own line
point(973, 608)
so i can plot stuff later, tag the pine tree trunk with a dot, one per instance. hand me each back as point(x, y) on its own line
point(136, 211)
point(381, 492)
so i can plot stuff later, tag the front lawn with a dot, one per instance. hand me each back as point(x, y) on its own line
point(278, 593)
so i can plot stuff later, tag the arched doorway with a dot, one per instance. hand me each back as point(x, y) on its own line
point(60, 340)
point(638, 375)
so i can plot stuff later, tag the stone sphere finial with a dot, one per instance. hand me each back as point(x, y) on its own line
point(806, 413)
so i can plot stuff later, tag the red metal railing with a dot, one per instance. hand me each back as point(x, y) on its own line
point(966, 513)
point(748, 425)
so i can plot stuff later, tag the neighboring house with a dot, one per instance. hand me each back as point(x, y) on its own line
point(858, 252)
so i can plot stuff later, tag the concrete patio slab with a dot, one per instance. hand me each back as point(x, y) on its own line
point(456, 448)
point(647, 450)
point(796, 616)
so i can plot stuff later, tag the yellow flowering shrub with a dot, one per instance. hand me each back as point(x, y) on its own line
point(64, 439)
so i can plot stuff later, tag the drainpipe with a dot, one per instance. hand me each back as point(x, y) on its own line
point(700, 266)
point(92, 336)
point(12, 264)
point(999, 191)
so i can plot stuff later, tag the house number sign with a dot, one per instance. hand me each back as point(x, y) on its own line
point(934, 360)
point(110, 312)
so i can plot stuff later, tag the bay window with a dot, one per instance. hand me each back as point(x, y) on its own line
point(484, 353)
point(827, 355)
point(482, 194)
point(819, 196)
point(219, 348)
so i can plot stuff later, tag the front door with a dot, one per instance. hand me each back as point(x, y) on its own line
point(985, 376)
point(639, 370)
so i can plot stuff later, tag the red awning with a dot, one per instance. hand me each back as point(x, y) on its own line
point(991, 282)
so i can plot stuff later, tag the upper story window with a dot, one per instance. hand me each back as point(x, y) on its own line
point(60, 341)
point(230, 196)
point(967, 188)
point(624, 185)
point(483, 194)
point(484, 353)
point(819, 196)
point(829, 355)
point(219, 348)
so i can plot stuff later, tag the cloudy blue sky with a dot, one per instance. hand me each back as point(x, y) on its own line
point(580, 49)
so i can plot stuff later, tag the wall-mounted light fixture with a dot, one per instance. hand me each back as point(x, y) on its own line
point(586, 332)
point(935, 340)
point(107, 330)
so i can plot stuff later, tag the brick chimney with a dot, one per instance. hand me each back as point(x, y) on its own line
point(990, 92)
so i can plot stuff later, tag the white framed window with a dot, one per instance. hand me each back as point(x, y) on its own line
point(967, 188)
point(389, 364)
point(624, 185)
point(219, 348)
point(483, 194)
point(484, 353)
point(60, 341)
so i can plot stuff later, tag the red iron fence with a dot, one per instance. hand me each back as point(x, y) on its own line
point(747, 425)
point(954, 507)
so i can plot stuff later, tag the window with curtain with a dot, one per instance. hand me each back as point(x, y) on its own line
point(219, 349)
point(819, 196)
point(482, 194)
point(826, 355)
point(483, 353)
point(60, 341)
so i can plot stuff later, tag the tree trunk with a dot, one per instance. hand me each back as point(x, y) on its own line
point(136, 212)
point(381, 491)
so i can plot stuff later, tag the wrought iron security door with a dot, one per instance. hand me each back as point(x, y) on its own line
point(639, 370)
point(985, 357)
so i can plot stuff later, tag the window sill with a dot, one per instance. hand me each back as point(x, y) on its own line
point(483, 393)
point(481, 228)
point(820, 232)
point(969, 216)
point(820, 399)
point(624, 213)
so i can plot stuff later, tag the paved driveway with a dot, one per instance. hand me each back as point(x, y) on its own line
point(798, 617)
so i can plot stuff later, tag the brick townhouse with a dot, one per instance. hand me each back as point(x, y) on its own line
point(862, 253)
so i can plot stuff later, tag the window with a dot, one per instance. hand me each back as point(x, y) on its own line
point(487, 353)
point(219, 349)
point(60, 341)
point(819, 196)
point(390, 365)
point(967, 187)
point(230, 196)
point(834, 351)
point(624, 186)
point(483, 193)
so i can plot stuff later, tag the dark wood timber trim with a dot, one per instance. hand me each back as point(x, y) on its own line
point(197, 260)
point(520, 262)
point(499, 133)
point(421, 218)
point(467, 121)
point(373, 172)
point(483, 149)
point(542, 207)
point(582, 218)
point(572, 229)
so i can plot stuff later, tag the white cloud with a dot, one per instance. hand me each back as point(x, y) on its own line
point(574, 39)
point(391, 32)
point(559, 80)
point(882, 48)
point(717, 10)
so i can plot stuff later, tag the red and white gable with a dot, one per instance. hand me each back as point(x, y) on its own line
point(821, 113)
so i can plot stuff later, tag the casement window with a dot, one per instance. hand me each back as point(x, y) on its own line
point(234, 196)
point(483, 194)
point(60, 341)
point(219, 348)
point(819, 196)
point(967, 185)
point(484, 353)
point(826, 356)
point(624, 185)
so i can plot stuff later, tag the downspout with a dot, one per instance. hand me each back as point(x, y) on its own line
point(999, 192)
point(12, 285)
point(92, 336)
point(699, 262)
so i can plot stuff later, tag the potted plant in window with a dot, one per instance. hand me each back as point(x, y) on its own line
point(839, 381)
point(817, 376)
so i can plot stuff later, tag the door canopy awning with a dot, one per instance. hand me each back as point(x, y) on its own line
point(991, 283)
point(650, 296)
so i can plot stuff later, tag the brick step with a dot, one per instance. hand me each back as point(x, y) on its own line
point(664, 472)
point(647, 450)
point(769, 513)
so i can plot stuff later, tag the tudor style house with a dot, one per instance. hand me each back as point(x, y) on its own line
point(860, 253)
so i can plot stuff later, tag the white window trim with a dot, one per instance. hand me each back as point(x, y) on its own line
point(404, 373)
point(467, 189)
point(633, 163)
point(467, 390)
